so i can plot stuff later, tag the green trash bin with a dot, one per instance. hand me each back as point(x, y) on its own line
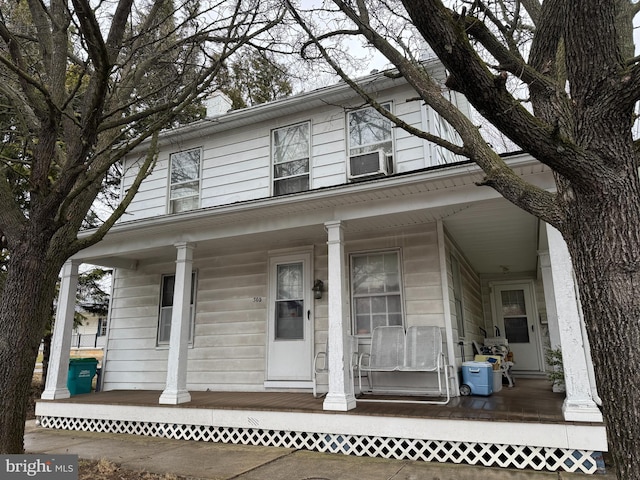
point(81, 373)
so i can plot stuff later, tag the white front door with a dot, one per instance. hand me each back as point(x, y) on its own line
point(290, 329)
point(515, 317)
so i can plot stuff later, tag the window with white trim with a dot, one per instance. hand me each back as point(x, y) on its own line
point(184, 188)
point(166, 308)
point(291, 152)
point(370, 137)
point(376, 291)
point(102, 326)
point(369, 130)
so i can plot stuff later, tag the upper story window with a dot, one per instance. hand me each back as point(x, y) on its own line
point(291, 153)
point(376, 290)
point(184, 189)
point(370, 143)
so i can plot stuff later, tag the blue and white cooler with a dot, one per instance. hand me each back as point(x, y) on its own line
point(477, 378)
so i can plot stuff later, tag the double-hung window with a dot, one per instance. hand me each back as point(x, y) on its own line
point(102, 326)
point(291, 152)
point(184, 188)
point(370, 142)
point(376, 290)
point(166, 308)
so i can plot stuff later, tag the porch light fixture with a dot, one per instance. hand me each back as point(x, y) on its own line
point(318, 288)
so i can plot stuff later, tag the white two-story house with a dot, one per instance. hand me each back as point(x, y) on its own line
point(268, 234)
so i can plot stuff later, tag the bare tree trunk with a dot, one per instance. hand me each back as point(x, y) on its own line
point(25, 307)
point(603, 236)
point(46, 353)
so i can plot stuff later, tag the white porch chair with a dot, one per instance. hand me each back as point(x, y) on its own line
point(423, 353)
point(386, 354)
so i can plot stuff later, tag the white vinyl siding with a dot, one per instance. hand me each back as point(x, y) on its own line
point(469, 323)
point(228, 351)
point(236, 164)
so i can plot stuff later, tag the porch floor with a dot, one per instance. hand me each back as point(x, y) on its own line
point(521, 427)
point(531, 400)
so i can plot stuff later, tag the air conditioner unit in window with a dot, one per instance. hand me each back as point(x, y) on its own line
point(370, 164)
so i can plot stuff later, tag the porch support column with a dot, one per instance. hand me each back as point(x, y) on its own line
point(58, 370)
point(550, 304)
point(579, 404)
point(340, 396)
point(175, 391)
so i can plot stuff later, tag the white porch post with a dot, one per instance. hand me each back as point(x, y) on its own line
point(550, 303)
point(175, 391)
point(58, 371)
point(340, 396)
point(579, 404)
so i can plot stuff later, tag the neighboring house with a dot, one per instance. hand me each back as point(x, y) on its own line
point(90, 331)
point(246, 211)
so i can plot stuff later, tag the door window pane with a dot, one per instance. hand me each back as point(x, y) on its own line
point(290, 320)
point(513, 303)
point(289, 324)
point(516, 329)
point(514, 312)
point(290, 281)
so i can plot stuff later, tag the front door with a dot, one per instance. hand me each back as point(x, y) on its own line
point(515, 318)
point(289, 355)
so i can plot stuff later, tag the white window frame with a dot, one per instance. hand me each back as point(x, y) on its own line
point(173, 199)
point(164, 321)
point(458, 294)
point(355, 296)
point(103, 326)
point(361, 148)
point(275, 157)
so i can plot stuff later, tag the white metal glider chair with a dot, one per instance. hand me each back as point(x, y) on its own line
point(420, 350)
point(386, 355)
point(423, 353)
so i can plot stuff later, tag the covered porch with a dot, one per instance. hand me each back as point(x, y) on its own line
point(219, 377)
point(520, 427)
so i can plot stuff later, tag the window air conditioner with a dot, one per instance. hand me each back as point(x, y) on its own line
point(369, 164)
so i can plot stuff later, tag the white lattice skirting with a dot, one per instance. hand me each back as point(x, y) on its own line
point(511, 456)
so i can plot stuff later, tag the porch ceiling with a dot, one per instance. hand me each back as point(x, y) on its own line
point(496, 236)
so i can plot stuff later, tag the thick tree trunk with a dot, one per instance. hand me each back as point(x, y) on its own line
point(603, 236)
point(25, 307)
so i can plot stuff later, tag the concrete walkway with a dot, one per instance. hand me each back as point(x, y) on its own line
point(205, 460)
